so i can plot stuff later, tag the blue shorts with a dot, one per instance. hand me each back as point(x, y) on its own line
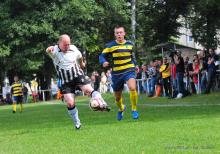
point(17, 99)
point(120, 80)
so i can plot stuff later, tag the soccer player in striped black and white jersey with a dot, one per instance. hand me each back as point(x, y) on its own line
point(69, 63)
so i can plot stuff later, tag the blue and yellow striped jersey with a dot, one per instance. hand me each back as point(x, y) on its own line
point(16, 89)
point(121, 55)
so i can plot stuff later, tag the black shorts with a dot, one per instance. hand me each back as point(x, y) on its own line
point(17, 99)
point(71, 86)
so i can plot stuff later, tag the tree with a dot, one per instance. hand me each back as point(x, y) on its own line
point(29, 26)
point(204, 20)
point(157, 20)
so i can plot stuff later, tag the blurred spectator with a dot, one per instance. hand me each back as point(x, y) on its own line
point(144, 77)
point(195, 73)
point(139, 77)
point(109, 81)
point(54, 88)
point(25, 92)
point(6, 92)
point(97, 81)
point(158, 83)
point(103, 83)
point(152, 78)
point(178, 59)
point(34, 89)
point(211, 69)
point(165, 69)
point(203, 70)
point(189, 84)
point(92, 78)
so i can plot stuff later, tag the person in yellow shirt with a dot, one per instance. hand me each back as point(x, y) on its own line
point(165, 70)
point(17, 93)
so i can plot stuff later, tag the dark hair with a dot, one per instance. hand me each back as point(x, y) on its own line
point(119, 26)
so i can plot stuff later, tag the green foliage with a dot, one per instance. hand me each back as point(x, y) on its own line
point(27, 27)
point(204, 21)
point(158, 20)
point(4, 50)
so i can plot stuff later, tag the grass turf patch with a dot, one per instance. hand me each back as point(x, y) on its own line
point(163, 127)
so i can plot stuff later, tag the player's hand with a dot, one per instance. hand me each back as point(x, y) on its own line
point(50, 49)
point(105, 64)
point(137, 69)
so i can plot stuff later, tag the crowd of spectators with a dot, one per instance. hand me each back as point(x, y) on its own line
point(172, 76)
point(175, 76)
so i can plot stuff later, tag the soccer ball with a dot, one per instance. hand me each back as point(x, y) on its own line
point(95, 104)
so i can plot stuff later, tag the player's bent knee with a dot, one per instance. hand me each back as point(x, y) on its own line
point(118, 97)
point(87, 89)
point(69, 98)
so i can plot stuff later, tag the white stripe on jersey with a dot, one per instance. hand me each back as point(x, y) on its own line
point(66, 64)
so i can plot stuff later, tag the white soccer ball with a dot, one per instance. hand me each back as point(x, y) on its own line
point(94, 104)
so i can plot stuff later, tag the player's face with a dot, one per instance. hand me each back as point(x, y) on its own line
point(64, 45)
point(15, 78)
point(164, 60)
point(120, 34)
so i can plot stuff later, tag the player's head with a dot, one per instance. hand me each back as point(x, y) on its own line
point(64, 42)
point(16, 78)
point(119, 32)
point(165, 60)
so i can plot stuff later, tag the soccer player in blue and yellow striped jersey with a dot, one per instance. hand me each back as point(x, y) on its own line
point(17, 93)
point(120, 50)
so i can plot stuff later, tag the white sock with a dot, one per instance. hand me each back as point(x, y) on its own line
point(74, 115)
point(96, 94)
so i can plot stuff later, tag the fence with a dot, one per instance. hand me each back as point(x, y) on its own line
point(44, 96)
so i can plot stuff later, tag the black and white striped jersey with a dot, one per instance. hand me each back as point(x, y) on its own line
point(67, 64)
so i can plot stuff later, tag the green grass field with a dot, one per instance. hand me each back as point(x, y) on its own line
point(189, 125)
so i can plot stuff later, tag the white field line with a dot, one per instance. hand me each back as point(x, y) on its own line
point(183, 104)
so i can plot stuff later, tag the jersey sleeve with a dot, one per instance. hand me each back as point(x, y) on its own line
point(53, 53)
point(103, 56)
point(75, 49)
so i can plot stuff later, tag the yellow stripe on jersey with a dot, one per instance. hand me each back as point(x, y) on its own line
point(119, 68)
point(17, 89)
point(122, 61)
point(106, 50)
point(121, 47)
point(121, 54)
point(117, 47)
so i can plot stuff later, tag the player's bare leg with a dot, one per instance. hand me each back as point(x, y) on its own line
point(72, 110)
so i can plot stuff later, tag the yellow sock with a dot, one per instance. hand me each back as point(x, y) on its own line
point(14, 107)
point(21, 107)
point(120, 104)
point(133, 99)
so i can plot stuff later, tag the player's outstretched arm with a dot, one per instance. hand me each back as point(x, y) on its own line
point(103, 61)
point(50, 49)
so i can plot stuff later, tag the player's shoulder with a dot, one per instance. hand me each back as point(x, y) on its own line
point(73, 48)
point(129, 42)
point(15, 83)
point(110, 44)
